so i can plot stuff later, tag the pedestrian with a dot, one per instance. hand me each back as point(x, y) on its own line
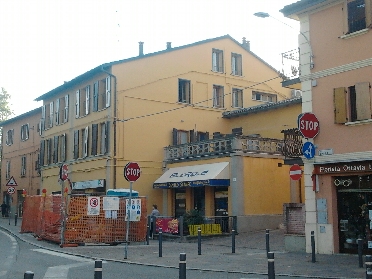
point(4, 209)
point(154, 213)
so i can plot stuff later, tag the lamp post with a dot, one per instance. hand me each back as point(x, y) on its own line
point(265, 15)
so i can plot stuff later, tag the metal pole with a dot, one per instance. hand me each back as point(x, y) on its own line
point(28, 275)
point(160, 242)
point(267, 242)
point(128, 218)
point(62, 213)
point(312, 247)
point(368, 267)
point(148, 230)
point(360, 252)
point(233, 241)
point(182, 266)
point(270, 265)
point(199, 241)
point(15, 219)
point(97, 269)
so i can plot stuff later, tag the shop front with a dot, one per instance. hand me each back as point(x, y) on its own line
point(352, 188)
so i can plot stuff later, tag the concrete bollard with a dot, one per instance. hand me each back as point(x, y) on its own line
point(368, 267)
point(270, 265)
point(182, 266)
point(233, 241)
point(312, 247)
point(97, 269)
point(267, 242)
point(28, 275)
point(199, 241)
point(160, 242)
point(360, 252)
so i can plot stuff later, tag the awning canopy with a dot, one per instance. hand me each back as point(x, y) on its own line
point(216, 174)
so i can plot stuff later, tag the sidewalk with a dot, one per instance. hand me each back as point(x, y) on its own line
point(216, 254)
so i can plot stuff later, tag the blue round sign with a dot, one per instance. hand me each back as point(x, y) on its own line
point(308, 149)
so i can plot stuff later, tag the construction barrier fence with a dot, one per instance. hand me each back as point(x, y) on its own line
point(85, 219)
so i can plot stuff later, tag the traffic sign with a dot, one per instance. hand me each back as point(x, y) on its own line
point(11, 182)
point(308, 125)
point(308, 149)
point(11, 190)
point(63, 172)
point(132, 171)
point(295, 172)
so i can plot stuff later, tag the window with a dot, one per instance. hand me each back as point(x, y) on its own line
point(24, 132)
point(180, 136)
point(81, 143)
point(264, 97)
point(47, 114)
point(217, 60)
point(9, 137)
point(356, 15)
point(42, 153)
point(100, 138)
point(85, 141)
point(76, 144)
point(82, 102)
point(184, 91)
point(237, 98)
point(49, 149)
point(7, 171)
point(353, 103)
point(236, 64)
point(61, 110)
point(218, 96)
point(23, 166)
point(101, 94)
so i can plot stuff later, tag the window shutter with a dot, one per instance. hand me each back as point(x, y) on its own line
point(55, 149)
point(76, 144)
point(87, 99)
point(42, 120)
point(108, 91)
point(42, 152)
point(65, 114)
point(27, 131)
point(340, 109)
point(95, 96)
point(77, 104)
point(94, 138)
point(49, 151)
point(57, 112)
point(192, 136)
point(86, 140)
point(233, 65)
point(363, 100)
point(51, 114)
point(174, 136)
point(214, 61)
point(107, 137)
point(63, 147)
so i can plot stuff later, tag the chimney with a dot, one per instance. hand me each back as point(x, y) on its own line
point(140, 48)
point(169, 45)
point(246, 44)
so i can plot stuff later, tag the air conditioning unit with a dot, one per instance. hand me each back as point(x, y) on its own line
point(296, 93)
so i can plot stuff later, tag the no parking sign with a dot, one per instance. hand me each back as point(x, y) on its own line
point(93, 206)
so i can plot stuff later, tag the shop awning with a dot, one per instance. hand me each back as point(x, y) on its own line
point(216, 174)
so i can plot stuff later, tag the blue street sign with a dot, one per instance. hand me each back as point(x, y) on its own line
point(308, 149)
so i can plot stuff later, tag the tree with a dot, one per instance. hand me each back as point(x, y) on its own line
point(5, 110)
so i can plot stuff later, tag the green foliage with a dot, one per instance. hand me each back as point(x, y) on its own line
point(5, 110)
point(193, 217)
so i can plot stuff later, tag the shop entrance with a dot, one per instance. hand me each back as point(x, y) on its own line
point(180, 204)
point(354, 201)
point(199, 199)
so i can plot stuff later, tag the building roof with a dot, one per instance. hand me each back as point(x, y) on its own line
point(299, 6)
point(105, 66)
point(261, 108)
point(21, 116)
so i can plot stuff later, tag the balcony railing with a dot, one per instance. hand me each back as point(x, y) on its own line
point(223, 147)
point(291, 64)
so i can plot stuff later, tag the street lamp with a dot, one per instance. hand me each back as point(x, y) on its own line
point(265, 15)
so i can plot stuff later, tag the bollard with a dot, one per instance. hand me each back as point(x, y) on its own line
point(360, 252)
point(28, 275)
point(199, 241)
point(368, 267)
point(312, 247)
point(270, 265)
point(15, 219)
point(182, 266)
point(267, 242)
point(160, 242)
point(97, 269)
point(235, 224)
point(233, 241)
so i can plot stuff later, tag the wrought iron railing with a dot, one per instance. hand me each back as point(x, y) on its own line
point(291, 64)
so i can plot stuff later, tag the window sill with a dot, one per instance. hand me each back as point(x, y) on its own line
point(361, 122)
point(218, 72)
point(354, 34)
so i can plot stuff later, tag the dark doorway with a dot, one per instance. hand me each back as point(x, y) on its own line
point(199, 200)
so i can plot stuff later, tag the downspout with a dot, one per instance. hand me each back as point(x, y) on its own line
point(114, 123)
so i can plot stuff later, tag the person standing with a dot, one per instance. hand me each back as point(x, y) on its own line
point(154, 213)
point(4, 209)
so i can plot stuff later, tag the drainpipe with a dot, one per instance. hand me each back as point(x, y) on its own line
point(114, 122)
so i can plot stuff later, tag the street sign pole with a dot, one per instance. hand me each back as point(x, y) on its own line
point(128, 217)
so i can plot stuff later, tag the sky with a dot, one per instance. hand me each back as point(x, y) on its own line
point(44, 43)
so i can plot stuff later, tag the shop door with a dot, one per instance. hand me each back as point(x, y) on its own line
point(180, 202)
point(199, 200)
point(354, 199)
point(221, 207)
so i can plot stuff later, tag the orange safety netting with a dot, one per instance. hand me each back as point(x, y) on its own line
point(43, 216)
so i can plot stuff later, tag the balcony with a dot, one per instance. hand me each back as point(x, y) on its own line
point(223, 147)
point(291, 64)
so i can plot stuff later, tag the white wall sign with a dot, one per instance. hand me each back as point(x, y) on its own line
point(110, 203)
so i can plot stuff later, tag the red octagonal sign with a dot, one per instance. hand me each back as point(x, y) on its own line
point(132, 171)
point(308, 124)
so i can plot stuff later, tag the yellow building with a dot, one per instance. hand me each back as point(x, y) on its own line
point(129, 110)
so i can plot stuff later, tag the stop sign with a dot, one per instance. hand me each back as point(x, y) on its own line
point(295, 172)
point(308, 124)
point(132, 171)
